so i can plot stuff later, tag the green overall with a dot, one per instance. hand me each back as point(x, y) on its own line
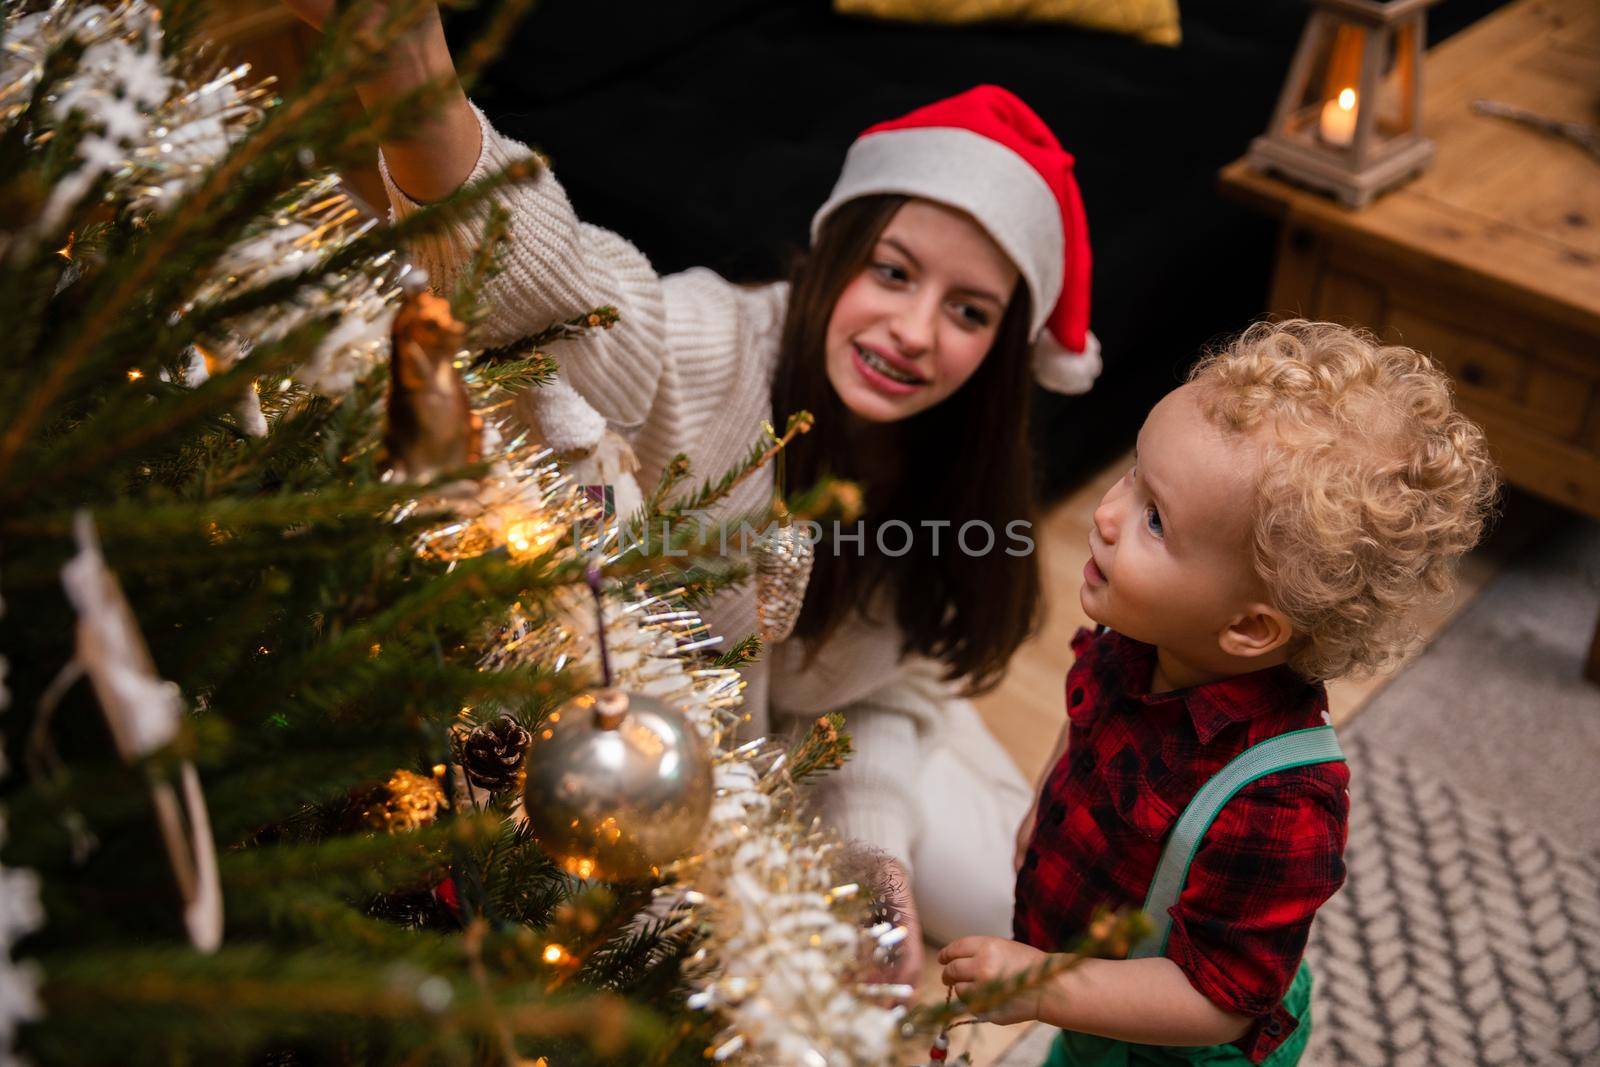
point(1299, 748)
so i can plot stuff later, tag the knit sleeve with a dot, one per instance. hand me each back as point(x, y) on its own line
point(873, 797)
point(553, 267)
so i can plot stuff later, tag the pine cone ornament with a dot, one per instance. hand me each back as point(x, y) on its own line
point(491, 754)
point(783, 570)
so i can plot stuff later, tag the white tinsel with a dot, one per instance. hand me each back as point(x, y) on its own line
point(157, 138)
point(359, 301)
point(116, 89)
point(20, 914)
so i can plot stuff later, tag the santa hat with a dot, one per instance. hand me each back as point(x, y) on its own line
point(986, 153)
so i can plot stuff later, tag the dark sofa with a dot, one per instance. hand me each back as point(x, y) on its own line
point(707, 131)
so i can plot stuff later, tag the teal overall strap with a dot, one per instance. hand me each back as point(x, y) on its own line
point(1298, 748)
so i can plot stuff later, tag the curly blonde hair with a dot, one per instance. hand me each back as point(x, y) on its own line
point(1372, 484)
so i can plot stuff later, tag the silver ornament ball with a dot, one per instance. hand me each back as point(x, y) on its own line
point(618, 785)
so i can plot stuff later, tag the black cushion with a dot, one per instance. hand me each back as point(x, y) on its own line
point(707, 132)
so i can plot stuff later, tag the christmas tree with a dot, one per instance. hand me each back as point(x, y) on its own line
point(337, 718)
point(288, 595)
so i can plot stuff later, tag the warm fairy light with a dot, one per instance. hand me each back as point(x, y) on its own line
point(135, 374)
point(583, 868)
point(1347, 100)
point(528, 537)
point(555, 954)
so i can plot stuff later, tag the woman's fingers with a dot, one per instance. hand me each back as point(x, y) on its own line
point(315, 12)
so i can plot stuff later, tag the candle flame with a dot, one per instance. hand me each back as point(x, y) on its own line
point(1347, 99)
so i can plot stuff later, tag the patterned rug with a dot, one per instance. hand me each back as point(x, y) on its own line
point(1460, 937)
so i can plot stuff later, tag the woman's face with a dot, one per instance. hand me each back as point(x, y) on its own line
point(915, 323)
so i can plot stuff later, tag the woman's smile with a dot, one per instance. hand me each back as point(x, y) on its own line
point(884, 373)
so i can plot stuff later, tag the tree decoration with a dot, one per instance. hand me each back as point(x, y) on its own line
point(144, 713)
point(618, 785)
point(491, 754)
point(784, 557)
point(407, 801)
point(432, 428)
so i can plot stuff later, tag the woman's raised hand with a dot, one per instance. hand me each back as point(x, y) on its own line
point(315, 12)
point(430, 160)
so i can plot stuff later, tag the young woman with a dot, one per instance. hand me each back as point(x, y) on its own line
point(950, 259)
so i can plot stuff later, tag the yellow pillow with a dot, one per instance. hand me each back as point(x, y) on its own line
point(1152, 21)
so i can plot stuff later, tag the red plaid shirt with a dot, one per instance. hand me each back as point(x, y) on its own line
point(1133, 762)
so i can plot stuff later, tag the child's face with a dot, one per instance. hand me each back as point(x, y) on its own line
point(913, 326)
point(1170, 545)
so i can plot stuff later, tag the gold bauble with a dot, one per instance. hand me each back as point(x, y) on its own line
point(618, 785)
point(407, 801)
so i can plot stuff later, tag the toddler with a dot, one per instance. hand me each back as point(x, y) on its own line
point(1287, 510)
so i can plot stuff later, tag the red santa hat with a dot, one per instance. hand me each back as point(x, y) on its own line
point(986, 153)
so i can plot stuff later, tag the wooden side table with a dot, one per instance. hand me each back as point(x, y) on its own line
point(1490, 261)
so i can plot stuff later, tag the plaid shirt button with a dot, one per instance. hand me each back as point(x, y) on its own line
point(1076, 698)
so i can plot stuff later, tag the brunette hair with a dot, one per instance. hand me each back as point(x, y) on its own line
point(965, 459)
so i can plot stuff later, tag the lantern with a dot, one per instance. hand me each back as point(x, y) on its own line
point(1347, 122)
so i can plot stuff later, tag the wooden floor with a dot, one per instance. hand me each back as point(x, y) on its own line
point(1026, 712)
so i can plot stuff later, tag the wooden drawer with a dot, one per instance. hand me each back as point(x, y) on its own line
point(1531, 383)
point(1520, 374)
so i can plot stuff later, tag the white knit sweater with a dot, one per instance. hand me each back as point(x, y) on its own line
point(688, 368)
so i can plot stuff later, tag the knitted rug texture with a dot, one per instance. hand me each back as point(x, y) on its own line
point(1461, 936)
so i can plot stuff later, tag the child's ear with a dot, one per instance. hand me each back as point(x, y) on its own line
point(1257, 631)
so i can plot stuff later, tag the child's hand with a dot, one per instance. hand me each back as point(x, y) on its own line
point(972, 961)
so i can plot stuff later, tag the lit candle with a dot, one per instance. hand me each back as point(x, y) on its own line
point(1338, 125)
